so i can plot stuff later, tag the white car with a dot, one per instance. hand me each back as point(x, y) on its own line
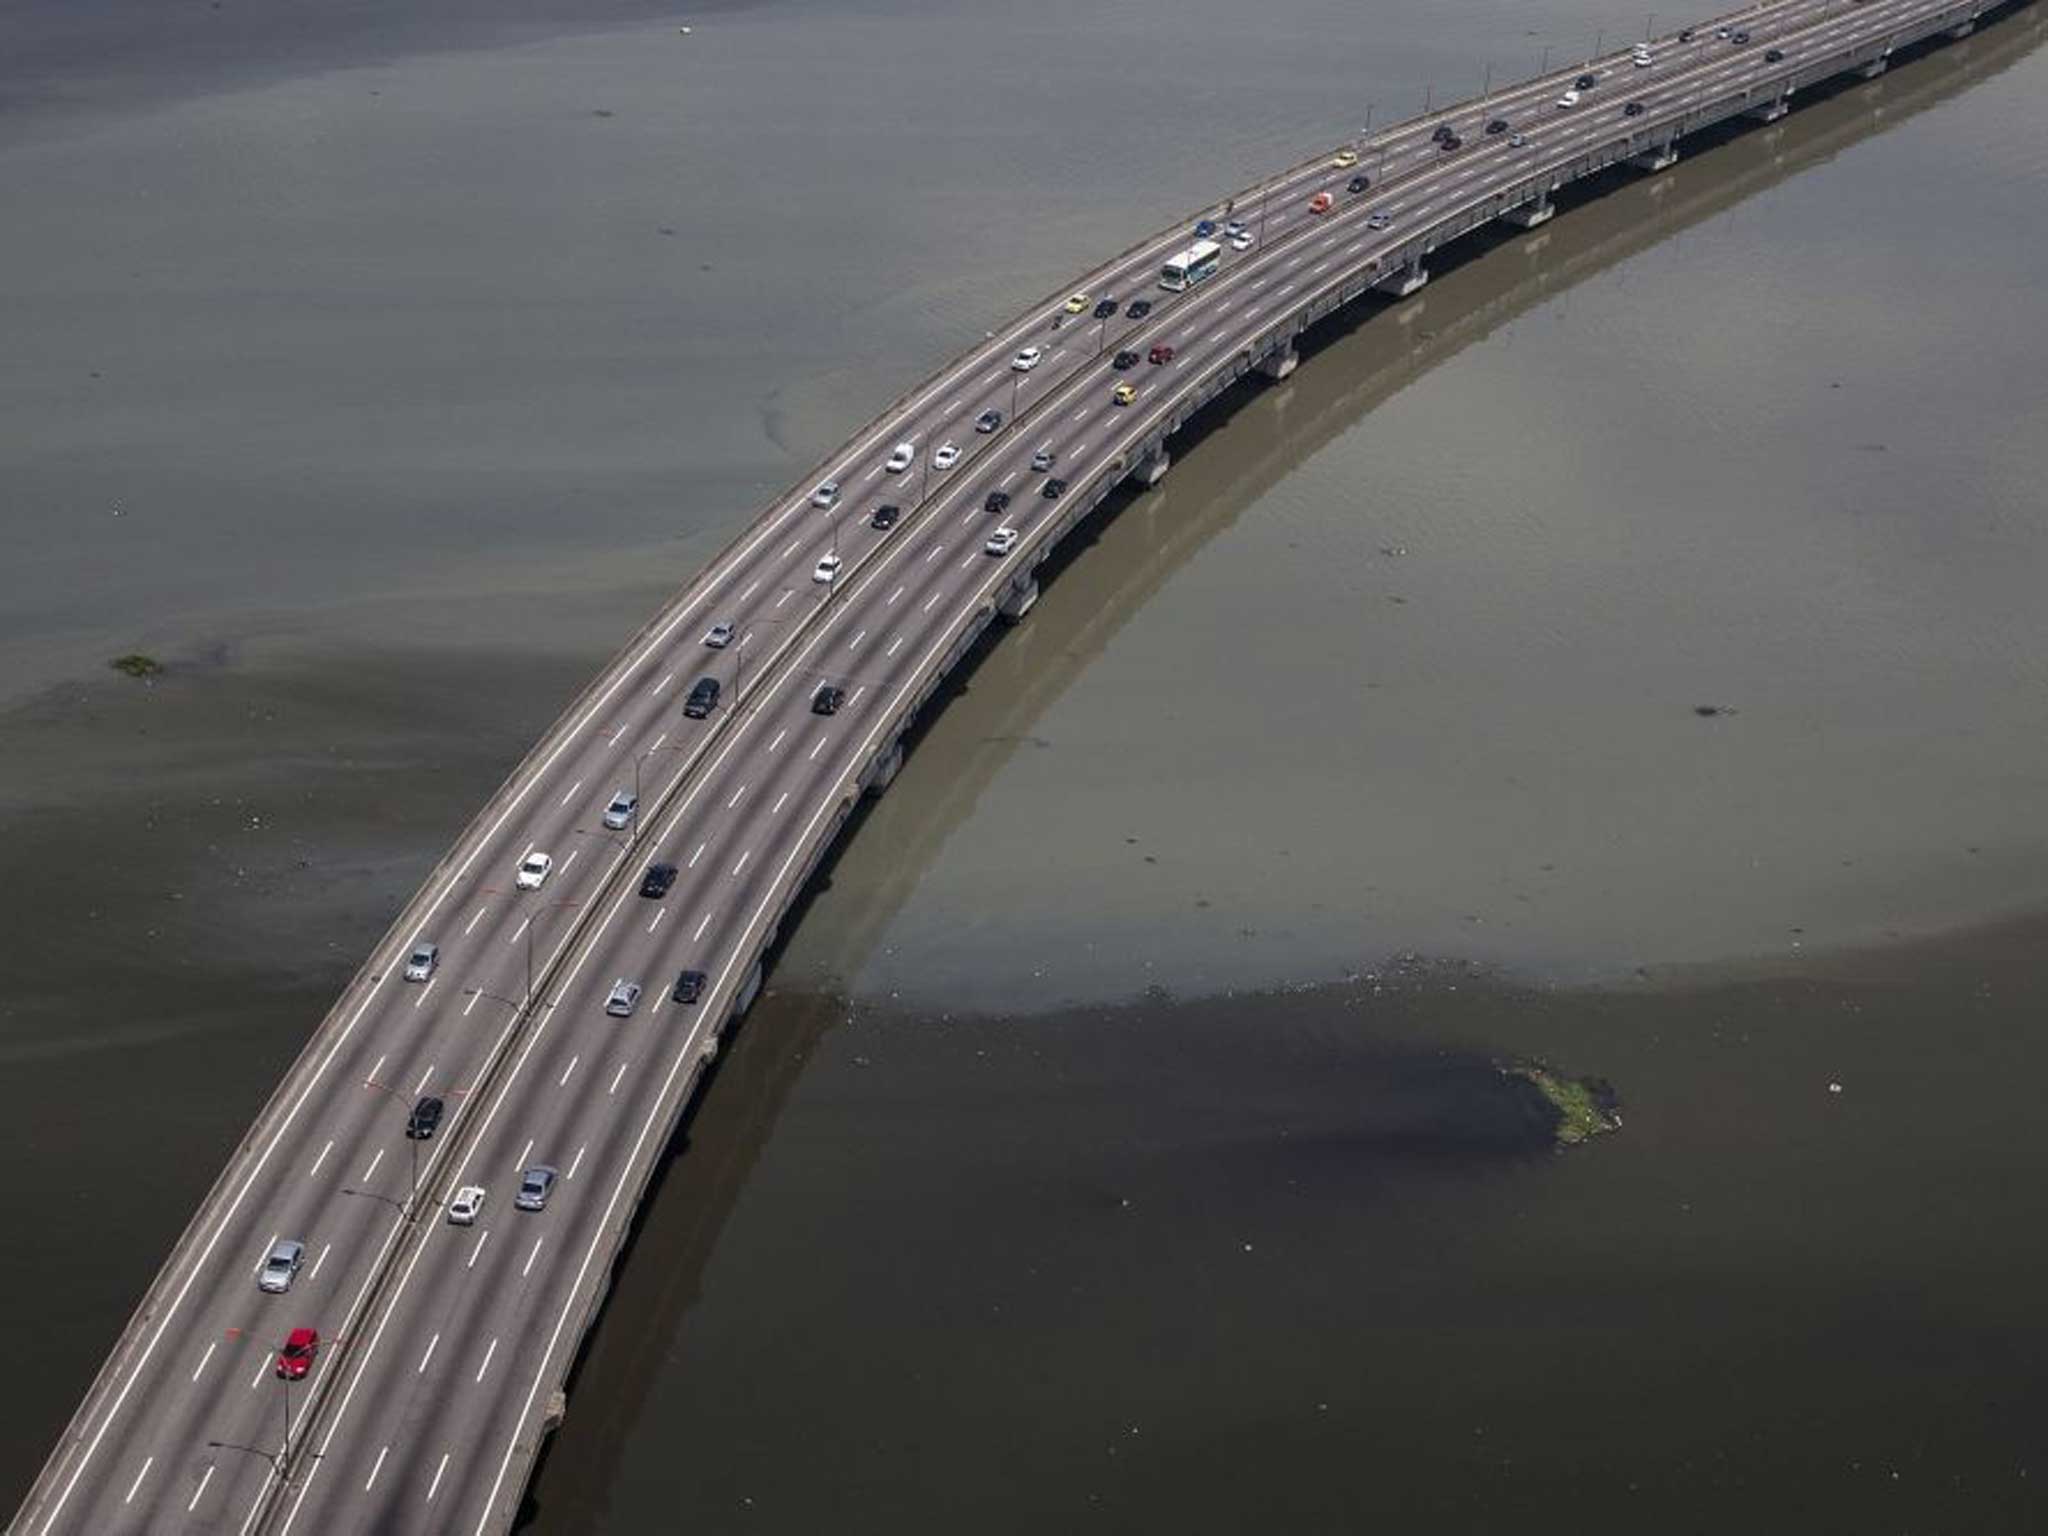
point(419, 965)
point(624, 999)
point(619, 814)
point(901, 457)
point(1026, 360)
point(947, 456)
point(827, 569)
point(719, 635)
point(533, 869)
point(1241, 241)
point(826, 495)
point(462, 1210)
point(1567, 100)
point(1643, 60)
point(1517, 140)
point(1001, 542)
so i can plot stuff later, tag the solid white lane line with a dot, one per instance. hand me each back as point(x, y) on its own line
point(778, 738)
point(578, 1163)
point(314, 1171)
point(737, 795)
point(567, 1070)
point(473, 997)
point(744, 854)
point(424, 1076)
point(657, 919)
point(617, 1078)
point(315, 1273)
point(147, 1463)
point(487, 1360)
point(526, 1156)
point(477, 1252)
point(480, 911)
point(203, 1359)
point(370, 1172)
point(424, 991)
point(376, 1469)
point(432, 1344)
point(528, 1269)
point(435, 1487)
point(779, 799)
point(698, 854)
point(699, 934)
point(817, 749)
point(200, 1492)
point(572, 790)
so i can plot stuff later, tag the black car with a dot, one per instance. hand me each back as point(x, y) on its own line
point(1054, 488)
point(997, 501)
point(1685, 36)
point(1105, 308)
point(1453, 142)
point(689, 987)
point(1138, 309)
point(1440, 132)
point(1584, 83)
point(1774, 55)
point(425, 1119)
point(703, 698)
point(1739, 38)
point(1124, 360)
point(1498, 125)
point(655, 883)
point(1356, 185)
point(827, 699)
point(885, 516)
point(1633, 109)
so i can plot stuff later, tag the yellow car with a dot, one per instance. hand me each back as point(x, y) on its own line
point(1076, 303)
point(1123, 394)
point(1346, 158)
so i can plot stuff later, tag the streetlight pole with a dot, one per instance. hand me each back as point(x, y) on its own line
point(391, 1093)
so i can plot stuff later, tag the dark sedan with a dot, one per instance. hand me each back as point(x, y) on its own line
point(1124, 360)
point(689, 987)
point(1105, 308)
point(1138, 309)
point(1054, 488)
point(656, 882)
point(425, 1119)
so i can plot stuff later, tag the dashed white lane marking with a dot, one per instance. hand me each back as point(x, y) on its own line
point(778, 738)
point(737, 795)
point(617, 1078)
point(432, 1344)
point(751, 590)
point(262, 1370)
point(873, 473)
point(578, 1162)
point(370, 1172)
point(424, 991)
point(574, 854)
point(854, 643)
point(487, 1360)
point(953, 407)
point(424, 1076)
point(745, 854)
point(147, 1463)
point(779, 799)
point(786, 596)
point(1009, 477)
point(572, 792)
point(657, 743)
point(473, 998)
point(937, 550)
point(896, 594)
point(480, 911)
point(477, 1252)
point(528, 1153)
point(315, 1274)
point(697, 855)
point(967, 562)
point(314, 1171)
point(377, 1072)
point(894, 646)
point(199, 1492)
point(662, 684)
point(932, 600)
point(817, 749)
point(519, 932)
point(435, 1487)
point(376, 1469)
point(856, 696)
point(204, 1359)
point(528, 1269)
point(794, 546)
point(699, 934)
point(1080, 415)
point(657, 920)
point(566, 1071)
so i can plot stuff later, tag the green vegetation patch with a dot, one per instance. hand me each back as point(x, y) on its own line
point(1585, 1106)
point(136, 664)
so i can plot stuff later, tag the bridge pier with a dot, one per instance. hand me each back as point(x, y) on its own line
point(1151, 469)
point(1661, 158)
point(1277, 365)
point(890, 763)
point(1963, 29)
point(1406, 281)
point(1529, 215)
point(1875, 68)
point(1019, 600)
point(1768, 112)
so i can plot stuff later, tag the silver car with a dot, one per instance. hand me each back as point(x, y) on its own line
point(282, 1264)
point(535, 1185)
point(826, 495)
point(619, 814)
point(419, 966)
point(719, 635)
point(624, 999)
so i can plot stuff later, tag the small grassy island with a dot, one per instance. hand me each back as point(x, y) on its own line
point(1584, 1107)
point(136, 664)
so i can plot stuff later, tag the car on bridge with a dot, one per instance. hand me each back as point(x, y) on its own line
point(1517, 140)
point(535, 1185)
point(1774, 55)
point(1441, 132)
point(988, 420)
point(1240, 240)
point(656, 882)
point(827, 699)
point(466, 1206)
point(826, 571)
point(1497, 125)
point(1123, 394)
point(1137, 309)
point(624, 998)
point(1123, 360)
point(1320, 203)
point(1204, 228)
point(1686, 35)
point(1450, 142)
point(1567, 101)
point(719, 635)
point(885, 516)
point(1633, 109)
point(425, 1119)
point(998, 501)
point(1379, 220)
point(533, 870)
point(1104, 308)
point(1043, 460)
point(1076, 302)
point(689, 987)
point(1357, 184)
point(947, 456)
point(702, 700)
point(1001, 542)
point(1345, 159)
point(1584, 83)
point(296, 1358)
point(1053, 489)
point(619, 814)
point(901, 457)
point(280, 1265)
point(826, 495)
point(1026, 359)
point(1738, 37)
point(420, 964)
point(1162, 352)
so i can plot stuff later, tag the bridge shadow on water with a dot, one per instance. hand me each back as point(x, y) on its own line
point(1225, 461)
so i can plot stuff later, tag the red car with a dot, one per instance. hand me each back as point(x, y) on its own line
point(1161, 353)
point(1320, 203)
point(296, 1358)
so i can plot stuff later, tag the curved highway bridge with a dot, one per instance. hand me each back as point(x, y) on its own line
point(443, 1347)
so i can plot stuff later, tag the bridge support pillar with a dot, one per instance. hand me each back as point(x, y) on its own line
point(1769, 111)
point(750, 989)
point(1963, 29)
point(1278, 365)
point(1406, 281)
point(1529, 215)
point(1019, 600)
point(1875, 68)
point(1661, 158)
point(886, 767)
point(1151, 469)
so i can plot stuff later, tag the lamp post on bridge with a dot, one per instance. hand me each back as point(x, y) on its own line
point(391, 1093)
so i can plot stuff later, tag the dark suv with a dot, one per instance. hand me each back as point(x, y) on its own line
point(689, 987)
point(827, 699)
point(703, 698)
point(885, 516)
point(656, 882)
point(425, 1119)
point(998, 501)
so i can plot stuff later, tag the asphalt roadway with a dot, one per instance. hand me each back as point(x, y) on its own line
point(434, 1382)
